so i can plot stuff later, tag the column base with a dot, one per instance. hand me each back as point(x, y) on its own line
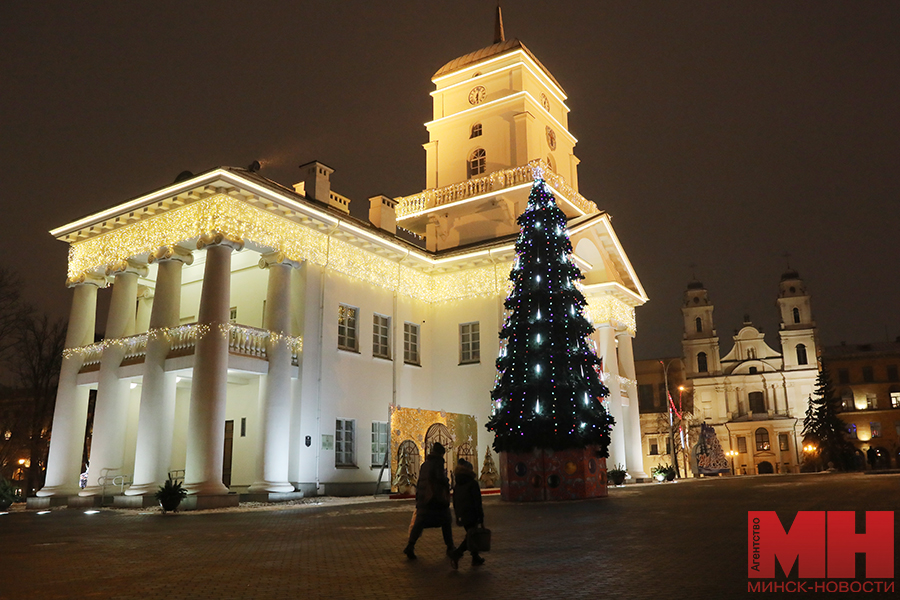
point(274, 487)
point(206, 488)
point(58, 490)
point(143, 489)
point(635, 475)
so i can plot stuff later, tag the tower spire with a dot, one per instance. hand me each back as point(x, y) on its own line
point(499, 35)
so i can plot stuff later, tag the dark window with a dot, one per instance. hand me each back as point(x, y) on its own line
point(847, 402)
point(661, 401)
point(783, 442)
point(762, 439)
point(757, 402)
point(476, 130)
point(742, 445)
point(801, 355)
point(843, 376)
point(701, 363)
point(753, 370)
point(892, 373)
point(796, 315)
point(645, 396)
point(699, 324)
point(868, 375)
point(851, 429)
point(477, 162)
point(875, 427)
point(243, 426)
point(668, 445)
point(654, 447)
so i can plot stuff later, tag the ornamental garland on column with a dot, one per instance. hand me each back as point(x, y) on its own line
point(548, 392)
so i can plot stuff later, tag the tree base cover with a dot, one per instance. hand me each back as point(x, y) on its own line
point(547, 474)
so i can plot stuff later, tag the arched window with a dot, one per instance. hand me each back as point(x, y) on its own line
point(757, 402)
point(751, 354)
point(796, 315)
point(477, 162)
point(762, 439)
point(476, 130)
point(701, 363)
point(801, 355)
point(699, 323)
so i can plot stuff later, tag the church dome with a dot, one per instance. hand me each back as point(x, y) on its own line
point(695, 285)
point(491, 51)
point(789, 275)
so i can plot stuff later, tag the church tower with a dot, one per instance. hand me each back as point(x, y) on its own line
point(700, 343)
point(797, 330)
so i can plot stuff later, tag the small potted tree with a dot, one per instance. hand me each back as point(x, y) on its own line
point(7, 494)
point(617, 475)
point(170, 495)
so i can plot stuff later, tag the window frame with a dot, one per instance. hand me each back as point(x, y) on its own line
point(875, 429)
point(802, 357)
point(381, 336)
point(472, 355)
point(742, 444)
point(698, 323)
point(763, 443)
point(412, 348)
point(379, 446)
point(341, 451)
point(784, 443)
point(653, 449)
point(476, 164)
point(477, 130)
point(702, 363)
point(343, 338)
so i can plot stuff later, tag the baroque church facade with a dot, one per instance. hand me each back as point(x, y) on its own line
point(754, 396)
point(260, 339)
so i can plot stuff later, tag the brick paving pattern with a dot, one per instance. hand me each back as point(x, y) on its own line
point(682, 540)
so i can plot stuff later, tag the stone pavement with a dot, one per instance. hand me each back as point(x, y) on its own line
point(679, 540)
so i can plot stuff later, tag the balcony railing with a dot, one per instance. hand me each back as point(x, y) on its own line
point(242, 340)
point(408, 206)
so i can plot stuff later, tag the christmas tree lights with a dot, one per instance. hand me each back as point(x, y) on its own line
point(548, 392)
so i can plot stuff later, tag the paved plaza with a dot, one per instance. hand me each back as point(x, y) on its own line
point(679, 540)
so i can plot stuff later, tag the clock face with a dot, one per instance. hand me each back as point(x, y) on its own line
point(551, 138)
point(477, 95)
point(545, 102)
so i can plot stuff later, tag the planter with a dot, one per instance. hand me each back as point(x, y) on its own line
point(5, 504)
point(169, 504)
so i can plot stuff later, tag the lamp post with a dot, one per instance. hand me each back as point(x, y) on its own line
point(731, 454)
point(811, 450)
point(666, 366)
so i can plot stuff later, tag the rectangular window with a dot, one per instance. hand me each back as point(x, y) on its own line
point(662, 395)
point(411, 343)
point(742, 445)
point(344, 452)
point(851, 429)
point(381, 327)
point(232, 314)
point(843, 376)
point(347, 338)
point(654, 448)
point(783, 442)
point(243, 426)
point(895, 399)
point(668, 446)
point(469, 343)
point(871, 401)
point(379, 442)
point(892, 373)
point(875, 427)
point(645, 396)
point(868, 375)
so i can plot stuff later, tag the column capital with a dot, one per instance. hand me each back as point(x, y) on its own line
point(145, 291)
point(171, 253)
point(276, 258)
point(219, 239)
point(87, 279)
point(126, 266)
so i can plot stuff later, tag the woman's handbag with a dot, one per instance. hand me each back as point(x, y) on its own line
point(478, 539)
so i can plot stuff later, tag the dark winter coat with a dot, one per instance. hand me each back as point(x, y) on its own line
point(467, 498)
point(433, 488)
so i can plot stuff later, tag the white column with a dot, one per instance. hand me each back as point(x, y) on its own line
point(70, 414)
point(157, 412)
point(606, 337)
point(144, 308)
point(206, 415)
point(111, 410)
point(634, 447)
point(275, 405)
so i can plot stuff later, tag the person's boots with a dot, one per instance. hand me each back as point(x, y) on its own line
point(410, 553)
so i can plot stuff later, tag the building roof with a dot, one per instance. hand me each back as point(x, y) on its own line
point(856, 350)
point(489, 52)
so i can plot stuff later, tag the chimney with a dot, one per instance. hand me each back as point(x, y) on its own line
point(381, 213)
point(316, 183)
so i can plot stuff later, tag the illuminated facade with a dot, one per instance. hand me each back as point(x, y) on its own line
point(258, 335)
point(754, 396)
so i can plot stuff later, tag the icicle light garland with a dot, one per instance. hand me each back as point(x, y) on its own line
point(236, 219)
point(609, 309)
point(192, 332)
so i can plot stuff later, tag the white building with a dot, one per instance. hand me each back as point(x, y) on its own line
point(755, 396)
point(259, 334)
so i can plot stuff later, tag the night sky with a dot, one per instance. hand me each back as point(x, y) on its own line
point(717, 134)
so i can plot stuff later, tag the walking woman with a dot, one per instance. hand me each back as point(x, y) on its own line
point(467, 505)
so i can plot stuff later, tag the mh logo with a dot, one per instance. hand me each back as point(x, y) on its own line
point(820, 541)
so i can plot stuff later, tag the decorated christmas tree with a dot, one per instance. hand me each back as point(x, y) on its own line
point(489, 474)
point(548, 392)
point(405, 481)
point(710, 456)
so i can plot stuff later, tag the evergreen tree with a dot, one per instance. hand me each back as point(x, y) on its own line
point(824, 427)
point(489, 474)
point(548, 392)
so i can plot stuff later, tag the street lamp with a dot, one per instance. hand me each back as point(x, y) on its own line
point(731, 454)
point(811, 450)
